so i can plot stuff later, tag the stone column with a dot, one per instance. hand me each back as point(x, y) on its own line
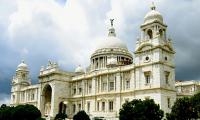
point(103, 61)
point(106, 61)
point(107, 82)
point(92, 64)
point(154, 31)
point(93, 85)
point(98, 61)
point(115, 82)
point(99, 84)
point(118, 85)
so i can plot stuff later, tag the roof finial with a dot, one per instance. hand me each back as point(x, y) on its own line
point(111, 22)
point(111, 30)
point(153, 7)
point(23, 61)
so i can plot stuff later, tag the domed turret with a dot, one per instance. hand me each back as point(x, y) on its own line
point(22, 75)
point(22, 66)
point(153, 26)
point(153, 16)
point(79, 69)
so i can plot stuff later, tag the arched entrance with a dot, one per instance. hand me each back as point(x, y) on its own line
point(47, 93)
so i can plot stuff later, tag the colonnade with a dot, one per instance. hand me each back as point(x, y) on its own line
point(102, 61)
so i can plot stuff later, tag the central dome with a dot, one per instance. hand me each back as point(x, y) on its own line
point(111, 52)
point(112, 42)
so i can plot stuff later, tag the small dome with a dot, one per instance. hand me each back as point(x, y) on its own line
point(79, 69)
point(22, 66)
point(153, 15)
point(112, 42)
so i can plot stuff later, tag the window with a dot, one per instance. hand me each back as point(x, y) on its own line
point(97, 106)
point(161, 33)
point(111, 86)
point(13, 96)
point(64, 108)
point(103, 106)
point(88, 106)
point(147, 58)
point(150, 34)
point(168, 102)
point(166, 58)
point(127, 84)
point(90, 88)
point(32, 96)
point(79, 107)
point(110, 106)
point(166, 77)
point(61, 105)
point(104, 86)
point(147, 77)
point(23, 76)
point(74, 108)
point(74, 91)
point(23, 96)
point(80, 90)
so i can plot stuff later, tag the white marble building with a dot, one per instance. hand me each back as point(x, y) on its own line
point(114, 76)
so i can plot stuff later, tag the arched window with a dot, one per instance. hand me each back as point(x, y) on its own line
point(62, 108)
point(23, 76)
point(161, 33)
point(150, 34)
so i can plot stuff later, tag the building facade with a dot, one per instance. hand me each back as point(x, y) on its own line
point(113, 76)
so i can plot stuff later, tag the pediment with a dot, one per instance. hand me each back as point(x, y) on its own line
point(145, 47)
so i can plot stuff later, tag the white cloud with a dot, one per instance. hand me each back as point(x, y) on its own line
point(69, 27)
point(73, 29)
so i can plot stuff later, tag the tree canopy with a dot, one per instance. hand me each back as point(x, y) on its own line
point(20, 112)
point(195, 100)
point(140, 110)
point(185, 108)
point(61, 116)
point(81, 115)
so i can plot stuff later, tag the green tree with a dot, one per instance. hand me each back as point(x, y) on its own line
point(20, 112)
point(81, 115)
point(140, 110)
point(195, 100)
point(182, 110)
point(5, 112)
point(26, 112)
point(61, 116)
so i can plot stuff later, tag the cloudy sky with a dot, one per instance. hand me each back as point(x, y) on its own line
point(67, 31)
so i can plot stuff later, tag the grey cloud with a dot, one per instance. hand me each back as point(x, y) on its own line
point(182, 18)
